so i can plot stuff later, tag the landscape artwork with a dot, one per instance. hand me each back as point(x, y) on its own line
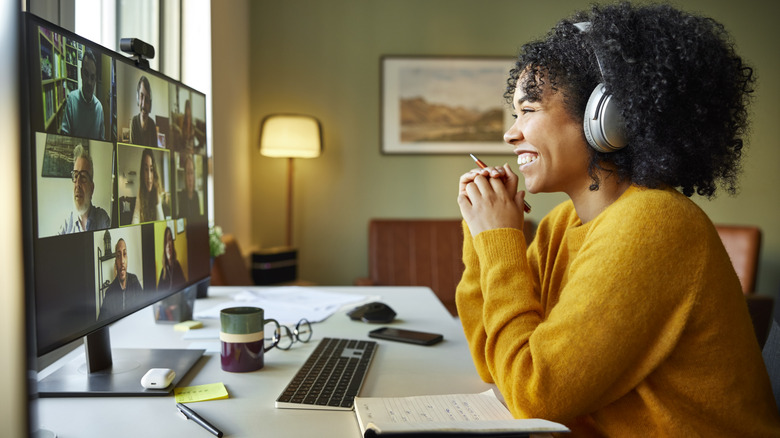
point(444, 105)
point(58, 155)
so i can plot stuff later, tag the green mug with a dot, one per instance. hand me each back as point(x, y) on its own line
point(241, 335)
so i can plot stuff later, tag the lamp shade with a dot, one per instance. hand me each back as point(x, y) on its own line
point(291, 136)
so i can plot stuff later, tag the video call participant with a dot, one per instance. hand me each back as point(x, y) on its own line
point(148, 203)
point(83, 115)
point(624, 316)
point(188, 198)
point(125, 290)
point(143, 131)
point(85, 217)
point(171, 275)
point(186, 129)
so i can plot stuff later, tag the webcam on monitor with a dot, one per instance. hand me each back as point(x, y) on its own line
point(142, 52)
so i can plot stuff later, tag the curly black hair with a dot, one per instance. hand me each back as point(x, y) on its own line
point(680, 86)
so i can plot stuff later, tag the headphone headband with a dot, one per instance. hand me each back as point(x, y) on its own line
point(603, 125)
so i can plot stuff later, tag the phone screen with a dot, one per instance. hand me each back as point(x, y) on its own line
point(410, 336)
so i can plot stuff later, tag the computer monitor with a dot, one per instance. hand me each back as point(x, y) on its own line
point(116, 204)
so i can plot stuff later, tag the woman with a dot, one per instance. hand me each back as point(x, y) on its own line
point(171, 275)
point(188, 198)
point(187, 129)
point(143, 130)
point(624, 316)
point(148, 203)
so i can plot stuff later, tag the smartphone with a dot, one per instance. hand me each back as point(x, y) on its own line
point(409, 336)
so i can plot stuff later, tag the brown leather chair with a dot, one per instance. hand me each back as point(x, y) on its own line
point(230, 268)
point(419, 252)
point(743, 243)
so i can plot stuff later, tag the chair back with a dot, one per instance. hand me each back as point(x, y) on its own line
point(230, 268)
point(419, 252)
point(743, 244)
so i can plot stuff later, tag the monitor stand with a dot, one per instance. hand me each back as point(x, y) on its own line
point(104, 372)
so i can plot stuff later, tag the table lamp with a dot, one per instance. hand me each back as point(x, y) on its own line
point(290, 136)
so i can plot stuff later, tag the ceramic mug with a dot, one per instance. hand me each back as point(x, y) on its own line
point(241, 336)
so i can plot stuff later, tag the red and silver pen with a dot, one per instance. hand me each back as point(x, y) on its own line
point(526, 206)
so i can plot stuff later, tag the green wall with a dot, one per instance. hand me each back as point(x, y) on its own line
point(323, 57)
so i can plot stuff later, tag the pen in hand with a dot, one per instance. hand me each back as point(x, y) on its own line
point(192, 415)
point(526, 206)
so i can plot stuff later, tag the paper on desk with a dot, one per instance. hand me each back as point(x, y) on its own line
point(202, 334)
point(214, 347)
point(190, 394)
point(287, 304)
point(466, 414)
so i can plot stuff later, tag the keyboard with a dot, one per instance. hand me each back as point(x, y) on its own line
point(331, 377)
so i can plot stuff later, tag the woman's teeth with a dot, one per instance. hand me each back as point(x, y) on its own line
point(525, 159)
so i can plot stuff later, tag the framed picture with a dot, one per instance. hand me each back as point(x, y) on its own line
point(444, 105)
point(58, 155)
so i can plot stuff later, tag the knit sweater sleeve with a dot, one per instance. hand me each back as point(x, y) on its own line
point(599, 313)
point(468, 298)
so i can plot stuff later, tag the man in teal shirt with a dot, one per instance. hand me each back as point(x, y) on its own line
point(83, 111)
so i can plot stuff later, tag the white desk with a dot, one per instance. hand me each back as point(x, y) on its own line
point(397, 370)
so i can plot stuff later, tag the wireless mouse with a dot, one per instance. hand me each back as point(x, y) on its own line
point(374, 312)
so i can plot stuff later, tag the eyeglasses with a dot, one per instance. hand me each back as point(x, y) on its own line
point(284, 337)
point(80, 176)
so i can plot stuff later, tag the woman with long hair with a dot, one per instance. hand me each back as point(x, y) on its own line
point(148, 203)
point(171, 274)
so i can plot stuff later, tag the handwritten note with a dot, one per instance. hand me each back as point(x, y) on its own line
point(476, 413)
point(435, 408)
point(190, 394)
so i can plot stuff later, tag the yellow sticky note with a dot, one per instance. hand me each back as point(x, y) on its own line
point(187, 325)
point(189, 394)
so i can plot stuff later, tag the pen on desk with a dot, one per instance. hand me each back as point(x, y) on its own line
point(192, 415)
point(526, 206)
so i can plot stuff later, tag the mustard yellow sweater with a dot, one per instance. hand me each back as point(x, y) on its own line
point(633, 324)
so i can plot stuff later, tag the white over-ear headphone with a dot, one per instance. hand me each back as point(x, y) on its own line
point(603, 125)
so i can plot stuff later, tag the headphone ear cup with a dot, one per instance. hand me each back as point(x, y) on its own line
point(604, 127)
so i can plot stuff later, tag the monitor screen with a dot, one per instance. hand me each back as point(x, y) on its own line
point(117, 185)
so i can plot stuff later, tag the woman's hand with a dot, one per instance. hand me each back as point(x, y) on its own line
point(488, 199)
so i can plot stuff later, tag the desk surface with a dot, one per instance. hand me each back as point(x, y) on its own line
point(397, 370)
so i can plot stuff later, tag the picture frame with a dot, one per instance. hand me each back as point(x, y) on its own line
point(444, 104)
point(58, 155)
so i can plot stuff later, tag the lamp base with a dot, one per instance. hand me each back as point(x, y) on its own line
point(275, 265)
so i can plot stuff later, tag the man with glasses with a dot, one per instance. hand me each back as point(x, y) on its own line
point(83, 111)
point(85, 217)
